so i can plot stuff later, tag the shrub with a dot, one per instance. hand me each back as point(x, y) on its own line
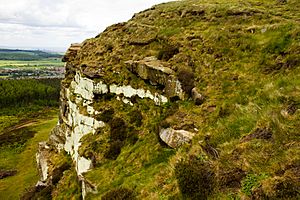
point(195, 179)
point(136, 117)
point(37, 192)
point(114, 150)
point(186, 77)
point(16, 138)
point(250, 182)
point(167, 52)
point(231, 178)
point(119, 194)
point(106, 115)
point(118, 129)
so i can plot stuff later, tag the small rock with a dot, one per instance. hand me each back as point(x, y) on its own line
point(175, 138)
point(197, 97)
point(93, 72)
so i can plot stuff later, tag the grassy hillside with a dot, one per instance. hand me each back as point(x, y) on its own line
point(19, 156)
point(245, 60)
point(27, 115)
point(26, 55)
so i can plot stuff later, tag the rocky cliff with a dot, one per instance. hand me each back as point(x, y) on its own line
point(187, 99)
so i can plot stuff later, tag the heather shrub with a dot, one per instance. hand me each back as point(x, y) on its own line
point(119, 194)
point(186, 77)
point(195, 179)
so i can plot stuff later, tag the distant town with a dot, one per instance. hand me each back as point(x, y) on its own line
point(49, 72)
point(23, 64)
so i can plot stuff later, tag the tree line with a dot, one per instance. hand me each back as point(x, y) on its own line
point(40, 92)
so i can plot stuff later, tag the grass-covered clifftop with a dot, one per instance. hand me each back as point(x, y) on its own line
point(245, 60)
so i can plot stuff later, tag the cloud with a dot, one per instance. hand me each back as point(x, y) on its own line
point(48, 23)
point(37, 13)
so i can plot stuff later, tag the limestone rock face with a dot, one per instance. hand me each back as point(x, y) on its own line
point(57, 137)
point(154, 71)
point(175, 138)
point(42, 161)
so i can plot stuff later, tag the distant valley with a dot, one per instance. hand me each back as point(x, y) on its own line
point(19, 64)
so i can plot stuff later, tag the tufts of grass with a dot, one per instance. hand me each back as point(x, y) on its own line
point(24, 161)
point(68, 186)
point(251, 182)
point(119, 194)
point(195, 179)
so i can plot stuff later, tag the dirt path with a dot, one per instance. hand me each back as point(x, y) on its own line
point(19, 126)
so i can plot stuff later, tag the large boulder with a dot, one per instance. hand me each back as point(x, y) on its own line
point(157, 73)
point(175, 138)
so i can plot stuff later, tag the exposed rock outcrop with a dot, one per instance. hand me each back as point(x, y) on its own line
point(154, 71)
point(72, 52)
point(77, 111)
point(42, 158)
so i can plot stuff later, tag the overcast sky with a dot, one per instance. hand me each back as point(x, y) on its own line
point(55, 24)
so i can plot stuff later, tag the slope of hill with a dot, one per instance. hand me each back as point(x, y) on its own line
point(187, 100)
point(26, 55)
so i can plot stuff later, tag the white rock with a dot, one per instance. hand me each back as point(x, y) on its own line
point(100, 88)
point(43, 165)
point(175, 138)
point(83, 165)
point(90, 110)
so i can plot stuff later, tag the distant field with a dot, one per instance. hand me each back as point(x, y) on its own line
point(19, 54)
point(20, 64)
point(45, 68)
point(50, 62)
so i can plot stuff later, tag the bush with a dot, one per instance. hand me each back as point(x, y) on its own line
point(106, 115)
point(186, 77)
point(250, 182)
point(37, 192)
point(119, 194)
point(16, 138)
point(136, 117)
point(231, 178)
point(167, 52)
point(195, 179)
point(118, 129)
point(114, 150)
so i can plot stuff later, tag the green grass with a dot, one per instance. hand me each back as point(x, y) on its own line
point(142, 166)
point(24, 162)
point(19, 64)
